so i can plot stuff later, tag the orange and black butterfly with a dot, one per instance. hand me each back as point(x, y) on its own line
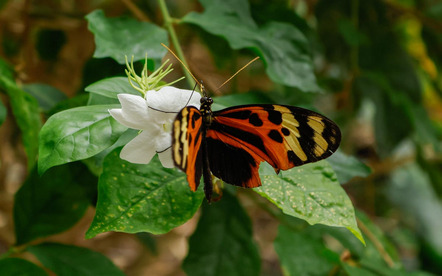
point(231, 143)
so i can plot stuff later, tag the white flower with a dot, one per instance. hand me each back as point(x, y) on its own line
point(153, 115)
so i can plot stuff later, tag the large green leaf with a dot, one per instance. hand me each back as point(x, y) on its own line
point(52, 203)
point(301, 254)
point(142, 198)
point(76, 134)
point(283, 47)
point(26, 112)
point(111, 87)
point(222, 243)
point(67, 260)
point(346, 167)
point(20, 267)
point(117, 37)
point(310, 192)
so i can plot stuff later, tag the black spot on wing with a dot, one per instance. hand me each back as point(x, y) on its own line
point(231, 164)
point(285, 131)
point(255, 120)
point(275, 136)
point(274, 116)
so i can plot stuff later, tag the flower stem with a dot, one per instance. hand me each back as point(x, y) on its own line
point(174, 39)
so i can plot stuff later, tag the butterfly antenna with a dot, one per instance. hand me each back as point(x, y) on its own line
point(237, 72)
point(182, 63)
point(193, 91)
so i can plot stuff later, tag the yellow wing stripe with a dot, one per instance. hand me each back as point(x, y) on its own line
point(291, 141)
point(318, 126)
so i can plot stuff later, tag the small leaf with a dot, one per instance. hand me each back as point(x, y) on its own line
point(142, 198)
point(346, 167)
point(46, 95)
point(301, 254)
point(53, 203)
point(117, 37)
point(77, 134)
point(312, 193)
point(111, 87)
point(26, 112)
point(222, 243)
point(283, 47)
point(20, 267)
point(67, 260)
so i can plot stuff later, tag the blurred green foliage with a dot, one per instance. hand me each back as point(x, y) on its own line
point(372, 66)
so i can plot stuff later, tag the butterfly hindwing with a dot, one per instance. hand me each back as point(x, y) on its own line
point(186, 144)
point(241, 137)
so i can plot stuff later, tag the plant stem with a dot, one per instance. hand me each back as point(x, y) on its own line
point(174, 39)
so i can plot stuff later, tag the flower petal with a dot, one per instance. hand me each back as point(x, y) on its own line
point(133, 112)
point(172, 99)
point(141, 149)
point(163, 141)
point(166, 158)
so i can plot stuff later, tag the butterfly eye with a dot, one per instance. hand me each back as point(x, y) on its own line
point(204, 99)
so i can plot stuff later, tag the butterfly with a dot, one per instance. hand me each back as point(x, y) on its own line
point(231, 143)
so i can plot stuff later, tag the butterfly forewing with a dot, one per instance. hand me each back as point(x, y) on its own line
point(284, 136)
point(186, 144)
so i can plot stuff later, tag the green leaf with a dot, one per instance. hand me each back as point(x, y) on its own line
point(97, 99)
point(53, 203)
point(111, 87)
point(76, 134)
point(117, 37)
point(20, 267)
point(312, 193)
point(346, 167)
point(67, 260)
point(95, 163)
point(47, 96)
point(142, 198)
point(26, 112)
point(300, 254)
point(284, 49)
point(76, 101)
point(3, 113)
point(222, 243)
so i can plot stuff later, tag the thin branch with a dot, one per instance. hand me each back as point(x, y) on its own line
point(135, 10)
point(377, 244)
point(168, 21)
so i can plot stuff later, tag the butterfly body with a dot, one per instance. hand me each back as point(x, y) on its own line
point(231, 143)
